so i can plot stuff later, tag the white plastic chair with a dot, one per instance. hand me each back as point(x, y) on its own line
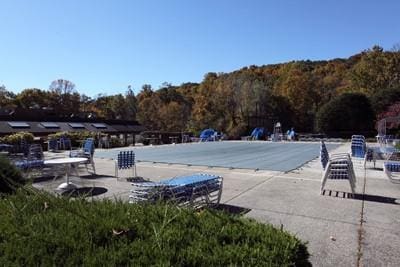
point(339, 167)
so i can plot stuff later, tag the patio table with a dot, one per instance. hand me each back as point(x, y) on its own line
point(67, 163)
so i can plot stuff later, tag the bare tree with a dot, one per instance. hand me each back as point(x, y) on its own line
point(62, 87)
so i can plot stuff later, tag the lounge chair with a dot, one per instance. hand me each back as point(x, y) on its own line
point(391, 167)
point(125, 161)
point(358, 146)
point(392, 171)
point(87, 151)
point(197, 190)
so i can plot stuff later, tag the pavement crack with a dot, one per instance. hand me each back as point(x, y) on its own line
point(361, 228)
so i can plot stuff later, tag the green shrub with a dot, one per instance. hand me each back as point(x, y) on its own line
point(75, 137)
point(15, 139)
point(10, 177)
point(42, 230)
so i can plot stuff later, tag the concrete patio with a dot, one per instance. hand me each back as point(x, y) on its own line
point(340, 231)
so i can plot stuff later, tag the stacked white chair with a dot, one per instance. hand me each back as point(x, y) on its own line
point(337, 167)
point(196, 190)
point(391, 167)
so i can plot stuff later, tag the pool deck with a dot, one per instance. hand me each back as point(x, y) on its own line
point(340, 231)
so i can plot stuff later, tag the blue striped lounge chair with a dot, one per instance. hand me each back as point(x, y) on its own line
point(125, 161)
point(196, 190)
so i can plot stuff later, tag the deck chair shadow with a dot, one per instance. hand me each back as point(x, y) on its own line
point(87, 151)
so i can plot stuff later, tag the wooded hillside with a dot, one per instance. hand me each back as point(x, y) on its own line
point(292, 93)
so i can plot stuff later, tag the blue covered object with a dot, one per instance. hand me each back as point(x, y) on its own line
point(207, 135)
point(257, 133)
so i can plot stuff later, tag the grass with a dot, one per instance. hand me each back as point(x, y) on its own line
point(41, 229)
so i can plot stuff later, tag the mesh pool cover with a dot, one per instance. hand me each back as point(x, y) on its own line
point(228, 154)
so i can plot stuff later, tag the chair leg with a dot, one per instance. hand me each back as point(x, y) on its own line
point(94, 168)
point(325, 177)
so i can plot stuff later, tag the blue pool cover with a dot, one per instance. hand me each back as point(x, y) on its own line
point(228, 154)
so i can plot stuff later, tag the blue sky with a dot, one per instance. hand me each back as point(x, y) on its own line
point(104, 46)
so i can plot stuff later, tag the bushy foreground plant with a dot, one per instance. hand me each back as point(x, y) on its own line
point(10, 177)
point(42, 230)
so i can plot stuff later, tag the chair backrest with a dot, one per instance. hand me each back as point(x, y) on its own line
point(125, 159)
point(65, 142)
point(35, 152)
point(88, 146)
point(324, 155)
point(53, 144)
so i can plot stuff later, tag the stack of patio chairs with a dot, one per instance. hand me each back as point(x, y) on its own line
point(34, 161)
point(324, 156)
point(64, 143)
point(125, 161)
point(87, 151)
point(358, 146)
point(391, 167)
point(195, 191)
point(337, 167)
point(52, 145)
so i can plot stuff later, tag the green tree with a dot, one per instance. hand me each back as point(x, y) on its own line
point(131, 104)
point(64, 99)
point(385, 98)
point(7, 98)
point(347, 114)
point(33, 98)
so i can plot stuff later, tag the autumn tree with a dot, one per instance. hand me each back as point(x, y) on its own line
point(376, 70)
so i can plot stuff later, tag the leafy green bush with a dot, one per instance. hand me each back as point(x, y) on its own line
point(10, 177)
point(350, 113)
point(15, 139)
point(42, 230)
point(75, 137)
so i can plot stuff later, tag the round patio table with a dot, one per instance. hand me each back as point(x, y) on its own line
point(67, 163)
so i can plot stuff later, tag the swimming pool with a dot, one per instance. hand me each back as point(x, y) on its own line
point(280, 156)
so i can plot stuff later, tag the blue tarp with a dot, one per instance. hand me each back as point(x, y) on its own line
point(257, 133)
point(207, 134)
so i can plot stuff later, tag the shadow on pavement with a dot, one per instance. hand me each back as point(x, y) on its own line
point(236, 210)
point(85, 192)
point(365, 197)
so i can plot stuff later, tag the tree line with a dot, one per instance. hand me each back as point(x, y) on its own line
point(294, 93)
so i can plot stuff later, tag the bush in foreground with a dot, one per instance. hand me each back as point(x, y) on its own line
point(10, 177)
point(39, 229)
